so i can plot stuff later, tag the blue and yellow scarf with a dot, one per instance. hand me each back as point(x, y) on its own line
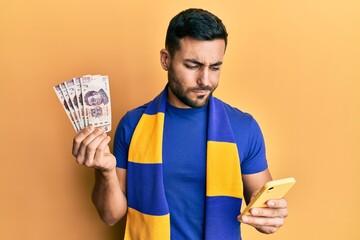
point(148, 214)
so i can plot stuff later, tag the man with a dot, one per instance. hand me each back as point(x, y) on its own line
point(183, 162)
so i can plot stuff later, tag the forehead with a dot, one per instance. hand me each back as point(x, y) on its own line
point(203, 51)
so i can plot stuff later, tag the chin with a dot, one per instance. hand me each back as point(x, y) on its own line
point(200, 102)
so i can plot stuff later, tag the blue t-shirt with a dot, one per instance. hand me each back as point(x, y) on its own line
point(184, 159)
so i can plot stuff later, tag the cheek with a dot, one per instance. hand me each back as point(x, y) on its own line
point(187, 78)
point(214, 77)
point(184, 76)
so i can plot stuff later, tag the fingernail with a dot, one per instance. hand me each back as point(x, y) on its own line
point(245, 219)
point(271, 204)
point(254, 212)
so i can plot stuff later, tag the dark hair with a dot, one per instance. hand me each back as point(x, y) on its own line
point(195, 23)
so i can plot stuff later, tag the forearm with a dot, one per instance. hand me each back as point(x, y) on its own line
point(267, 219)
point(254, 182)
point(108, 197)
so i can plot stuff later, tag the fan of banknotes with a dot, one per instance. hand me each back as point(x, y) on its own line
point(86, 101)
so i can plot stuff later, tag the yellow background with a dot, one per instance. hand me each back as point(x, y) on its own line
point(293, 64)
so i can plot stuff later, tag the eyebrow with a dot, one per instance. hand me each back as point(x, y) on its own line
point(201, 64)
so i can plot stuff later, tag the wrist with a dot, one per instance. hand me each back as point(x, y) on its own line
point(105, 173)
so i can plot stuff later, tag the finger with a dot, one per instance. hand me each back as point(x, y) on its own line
point(263, 221)
point(82, 151)
point(269, 212)
point(267, 229)
point(92, 148)
point(100, 153)
point(79, 138)
point(277, 203)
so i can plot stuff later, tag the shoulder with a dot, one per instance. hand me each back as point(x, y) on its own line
point(132, 117)
point(249, 140)
point(246, 129)
point(123, 134)
point(128, 122)
point(239, 117)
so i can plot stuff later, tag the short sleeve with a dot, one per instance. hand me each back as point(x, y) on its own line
point(121, 142)
point(249, 140)
point(123, 135)
point(254, 159)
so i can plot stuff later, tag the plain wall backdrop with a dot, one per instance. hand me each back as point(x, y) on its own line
point(294, 65)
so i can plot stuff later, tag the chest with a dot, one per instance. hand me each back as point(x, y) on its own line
point(184, 147)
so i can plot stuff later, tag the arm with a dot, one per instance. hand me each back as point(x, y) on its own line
point(265, 220)
point(90, 147)
point(108, 200)
point(253, 183)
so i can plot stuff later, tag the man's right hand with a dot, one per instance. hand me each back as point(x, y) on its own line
point(90, 148)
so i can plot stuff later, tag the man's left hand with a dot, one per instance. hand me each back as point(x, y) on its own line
point(269, 219)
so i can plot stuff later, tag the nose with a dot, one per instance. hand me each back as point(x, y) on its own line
point(203, 78)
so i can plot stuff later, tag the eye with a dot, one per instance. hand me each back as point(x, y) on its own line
point(215, 68)
point(190, 66)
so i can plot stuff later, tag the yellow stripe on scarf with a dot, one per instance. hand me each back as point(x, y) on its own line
point(147, 139)
point(135, 226)
point(223, 177)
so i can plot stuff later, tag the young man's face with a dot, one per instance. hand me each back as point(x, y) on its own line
point(193, 72)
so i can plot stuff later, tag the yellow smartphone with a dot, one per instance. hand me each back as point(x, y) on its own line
point(271, 190)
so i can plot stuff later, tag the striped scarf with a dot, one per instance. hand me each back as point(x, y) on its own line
point(148, 214)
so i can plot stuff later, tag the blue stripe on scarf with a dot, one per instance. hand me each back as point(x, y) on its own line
point(149, 176)
point(157, 105)
point(222, 207)
point(219, 126)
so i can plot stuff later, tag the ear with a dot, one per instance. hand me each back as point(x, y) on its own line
point(164, 59)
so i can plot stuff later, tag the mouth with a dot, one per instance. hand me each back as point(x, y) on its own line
point(200, 92)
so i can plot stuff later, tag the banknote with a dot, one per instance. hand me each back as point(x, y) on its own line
point(79, 100)
point(96, 100)
point(70, 104)
point(86, 101)
point(70, 87)
point(63, 102)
